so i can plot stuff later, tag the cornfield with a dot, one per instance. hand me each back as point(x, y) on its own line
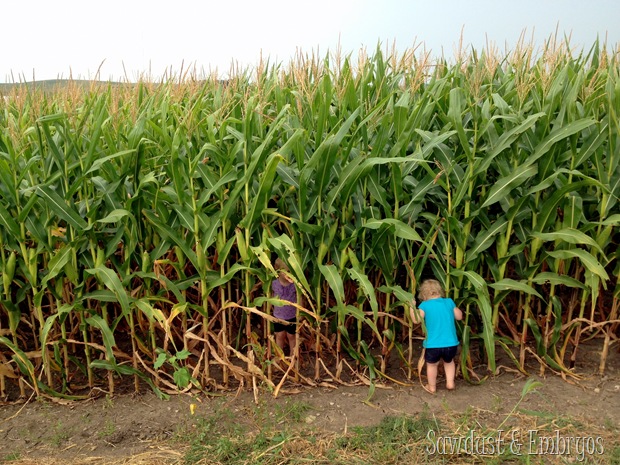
point(140, 222)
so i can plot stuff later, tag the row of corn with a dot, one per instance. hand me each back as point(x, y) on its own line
point(139, 223)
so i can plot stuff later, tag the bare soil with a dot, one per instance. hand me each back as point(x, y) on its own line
point(140, 428)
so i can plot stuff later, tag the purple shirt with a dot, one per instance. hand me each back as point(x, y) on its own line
point(284, 292)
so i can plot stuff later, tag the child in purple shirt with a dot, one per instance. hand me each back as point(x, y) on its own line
point(283, 288)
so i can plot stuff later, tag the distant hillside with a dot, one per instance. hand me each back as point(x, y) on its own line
point(55, 84)
point(52, 84)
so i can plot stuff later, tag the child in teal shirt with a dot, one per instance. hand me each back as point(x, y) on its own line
point(439, 314)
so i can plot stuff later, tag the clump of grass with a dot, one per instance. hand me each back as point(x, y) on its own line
point(12, 456)
point(108, 430)
point(395, 439)
point(294, 411)
point(229, 442)
point(59, 435)
point(222, 439)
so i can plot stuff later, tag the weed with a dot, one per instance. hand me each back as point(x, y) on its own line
point(445, 406)
point(11, 457)
point(109, 403)
point(212, 436)
point(401, 430)
point(609, 424)
point(497, 403)
point(108, 429)
point(295, 411)
point(59, 435)
point(530, 386)
point(466, 418)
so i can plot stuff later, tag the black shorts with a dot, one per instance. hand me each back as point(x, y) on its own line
point(278, 327)
point(446, 354)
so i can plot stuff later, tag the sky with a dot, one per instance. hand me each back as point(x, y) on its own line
point(133, 39)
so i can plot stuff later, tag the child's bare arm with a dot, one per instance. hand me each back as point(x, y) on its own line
point(458, 314)
point(417, 315)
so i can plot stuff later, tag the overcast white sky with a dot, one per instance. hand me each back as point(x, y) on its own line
point(126, 39)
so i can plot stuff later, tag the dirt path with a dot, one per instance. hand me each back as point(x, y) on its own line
point(133, 426)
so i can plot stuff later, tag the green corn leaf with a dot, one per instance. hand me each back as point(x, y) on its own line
point(101, 295)
point(115, 216)
point(504, 141)
point(58, 262)
point(26, 209)
point(366, 287)
point(152, 313)
point(486, 312)
point(401, 229)
point(508, 284)
point(173, 236)
point(504, 186)
point(549, 208)
point(557, 279)
point(288, 175)
point(259, 202)
point(569, 235)
point(455, 115)
point(65, 212)
point(324, 157)
point(109, 343)
point(99, 162)
point(126, 370)
point(613, 220)
point(230, 176)
point(6, 219)
point(111, 280)
point(214, 283)
point(14, 314)
point(61, 314)
point(24, 364)
point(403, 296)
point(330, 273)
point(262, 254)
point(223, 252)
point(257, 160)
point(588, 260)
point(556, 135)
point(465, 348)
point(354, 172)
point(485, 239)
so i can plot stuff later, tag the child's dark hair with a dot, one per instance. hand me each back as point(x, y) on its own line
point(280, 265)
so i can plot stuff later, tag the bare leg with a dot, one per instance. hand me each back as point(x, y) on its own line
point(450, 369)
point(292, 342)
point(431, 374)
point(280, 339)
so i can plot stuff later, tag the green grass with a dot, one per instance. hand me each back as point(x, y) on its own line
point(294, 411)
point(108, 429)
point(284, 437)
point(59, 434)
point(12, 456)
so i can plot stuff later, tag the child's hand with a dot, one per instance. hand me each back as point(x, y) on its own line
point(416, 314)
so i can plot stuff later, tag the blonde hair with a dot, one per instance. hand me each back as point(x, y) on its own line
point(430, 287)
point(280, 265)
